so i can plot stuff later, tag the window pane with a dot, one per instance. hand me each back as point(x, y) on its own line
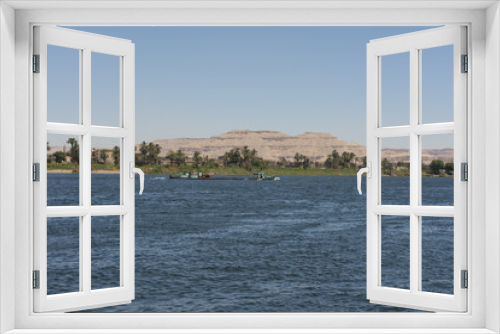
point(63, 85)
point(63, 255)
point(395, 170)
point(63, 170)
point(105, 252)
point(437, 254)
point(106, 171)
point(395, 90)
point(437, 84)
point(395, 251)
point(105, 90)
point(437, 170)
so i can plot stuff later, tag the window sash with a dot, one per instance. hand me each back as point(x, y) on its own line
point(86, 297)
point(413, 43)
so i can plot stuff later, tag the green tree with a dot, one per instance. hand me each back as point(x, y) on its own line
point(103, 156)
point(59, 156)
point(116, 155)
point(246, 159)
point(299, 159)
point(335, 159)
point(306, 163)
point(171, 157)
point(197, 159)
point(283, 162)
point(143, 148)
point(351, 158)
point(74, 151)
point(435, 166)
point(233, 157)
point(329, 161)
point(449, 166)
point(153, 151)
point(48, 147)
point(386, 167)
point(180, 157)
point(346, 159)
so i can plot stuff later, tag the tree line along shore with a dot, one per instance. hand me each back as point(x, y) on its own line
point(237, 161)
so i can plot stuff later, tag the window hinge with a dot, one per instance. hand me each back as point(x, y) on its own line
point(464, 169)
point(36, 63)
point(36, 279)
point(36, 172)
point(465, 64)
point(465, 279)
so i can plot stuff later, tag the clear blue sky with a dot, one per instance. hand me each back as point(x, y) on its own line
point(203, 81)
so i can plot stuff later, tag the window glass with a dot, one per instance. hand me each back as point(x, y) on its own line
point(395, 89)
point(437, 254)
point(437, 170)
point(106, 88)
point(106, 157)
point(63, 85)
point(395, 170)
point(63, 170)
point(105, 252)
point(63, 255)
point(395, 251)
point(437, 84)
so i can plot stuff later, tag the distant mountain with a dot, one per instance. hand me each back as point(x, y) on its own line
point(274, 145)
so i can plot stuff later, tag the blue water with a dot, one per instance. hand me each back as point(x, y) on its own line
point(295, 245)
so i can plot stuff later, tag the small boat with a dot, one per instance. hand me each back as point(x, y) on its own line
point(259, 176)
point(190, 176)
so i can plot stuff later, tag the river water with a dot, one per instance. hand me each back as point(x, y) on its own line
point(294, 245)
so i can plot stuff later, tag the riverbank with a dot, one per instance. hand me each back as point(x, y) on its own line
point(53, 168)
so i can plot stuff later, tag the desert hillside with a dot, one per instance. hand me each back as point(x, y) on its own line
point(274, 145)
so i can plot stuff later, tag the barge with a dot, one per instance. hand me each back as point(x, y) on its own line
point(259, 176)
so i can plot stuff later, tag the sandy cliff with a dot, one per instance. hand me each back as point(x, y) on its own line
point(274, 145)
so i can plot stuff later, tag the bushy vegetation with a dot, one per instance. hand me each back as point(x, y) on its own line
point(237, 161)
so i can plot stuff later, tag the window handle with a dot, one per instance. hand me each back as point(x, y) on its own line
point(368, 171)
point(133, 171)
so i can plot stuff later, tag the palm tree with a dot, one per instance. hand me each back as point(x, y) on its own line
point(103, 156)
point(386, 165)
point(74, 151)
point(144, 151)
point(180, 157)
point(197, 159)
point(346, 159)
point(298, 159)
point(306, 163)
point(154, 151)
point(171, 156)
point(335, 159)
point(351, 157)
point(329, 161)
point(233, 157)
point(116, 155)
point(246, 158)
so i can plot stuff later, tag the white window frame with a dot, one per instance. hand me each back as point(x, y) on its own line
point(123, 50)
point(414, 43)
point(482, 19)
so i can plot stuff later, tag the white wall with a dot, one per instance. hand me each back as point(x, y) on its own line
point(7, 191)
point(492, 163)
